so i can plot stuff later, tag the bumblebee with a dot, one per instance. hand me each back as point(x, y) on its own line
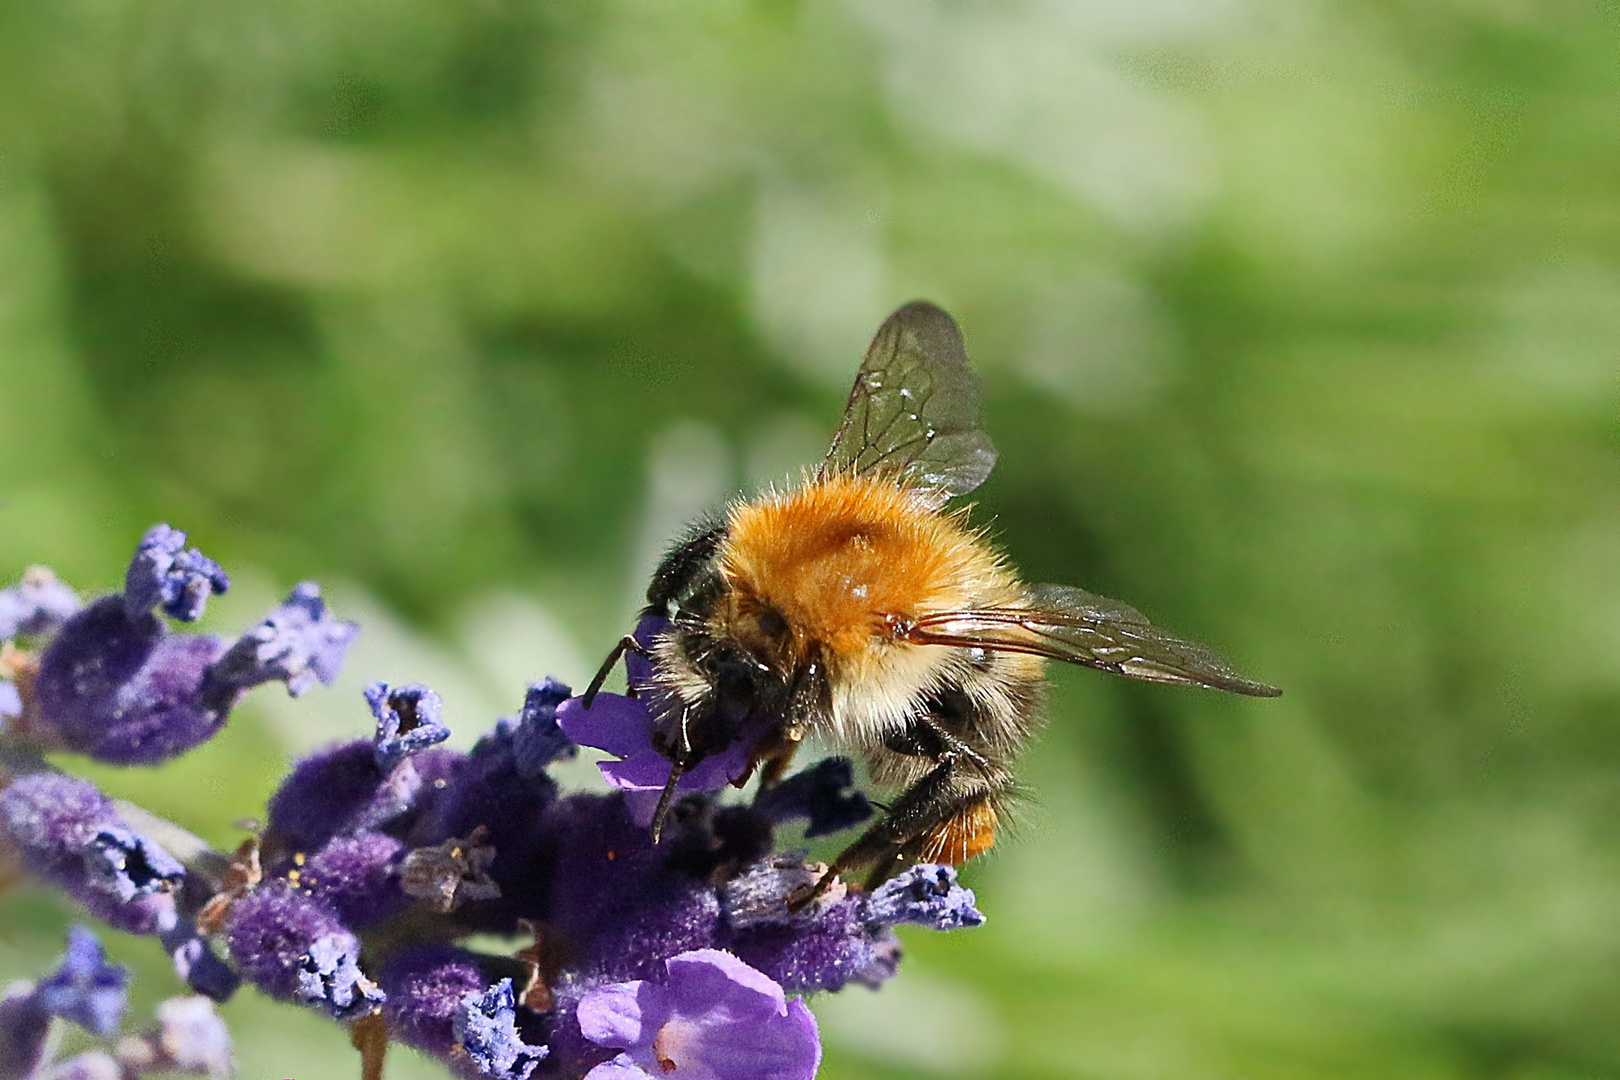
point(857, 608)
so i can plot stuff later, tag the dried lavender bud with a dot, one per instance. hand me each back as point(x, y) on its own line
point(409, 720)
point(425, 985)
point(926, 895)
point(359, 876)
point(712, 1016)
point(298, 643)
point(164, 571)
point(294, 947)
point(37, 604)
point(451, 874)
point(485, 1025)
point(825, 794)
point(86, 989)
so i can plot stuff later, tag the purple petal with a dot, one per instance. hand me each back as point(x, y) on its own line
point(620, 725)
point(709, 976)
point(620, 1068)
point(486, 1027)
point(616, 1016)
point(638, 670)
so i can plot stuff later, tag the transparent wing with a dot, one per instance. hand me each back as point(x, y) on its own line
point(914, 410)
point(1070, 624)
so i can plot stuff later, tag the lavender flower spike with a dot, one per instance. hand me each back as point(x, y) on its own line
point(713, 1017)
point(298, 643)
point(68, 831)
point(486, 1027)
point(166, 572)
point(408, 721)
point(86, 989)
point(37, 604)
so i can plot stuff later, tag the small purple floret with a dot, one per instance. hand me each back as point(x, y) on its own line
point(54, 821)
point(624, 727)
point(713, 1016)
point(37, 604)
point(10, 702)
point(166, 572)
point(85, 988)
point(409, 720)
point(298, 643)
point(486, 1027)
point(925, 894)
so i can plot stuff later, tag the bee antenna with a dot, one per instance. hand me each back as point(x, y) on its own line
point(665, 798)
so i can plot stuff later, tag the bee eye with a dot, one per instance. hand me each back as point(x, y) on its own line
point(734, 695)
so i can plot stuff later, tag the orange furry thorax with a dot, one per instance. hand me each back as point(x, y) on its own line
point(840, 557)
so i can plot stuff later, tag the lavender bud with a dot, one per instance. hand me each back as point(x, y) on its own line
point(68, 832)
point(25, 1027)
point(164, 571)
point(37, 604)
point(537, 740)
point(196, 964)
point(121, 689)
point(295, 948)
point(425, 985)
point(924, 894)
point(485, 1025)
point(338, 790)
point(409, 720)
point(190, 1038)
point(298, 643)
point(359, 876)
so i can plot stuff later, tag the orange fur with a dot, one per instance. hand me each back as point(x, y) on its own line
point(967, 835)
point(839, 556)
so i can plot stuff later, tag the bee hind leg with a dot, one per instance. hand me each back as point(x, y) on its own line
point(937, 819)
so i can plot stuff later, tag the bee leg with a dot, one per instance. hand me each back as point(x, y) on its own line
point(626, 644)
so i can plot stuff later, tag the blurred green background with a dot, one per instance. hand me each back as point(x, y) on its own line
point(1298, 322)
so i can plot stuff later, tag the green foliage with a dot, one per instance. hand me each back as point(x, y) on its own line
point(1298, 324)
